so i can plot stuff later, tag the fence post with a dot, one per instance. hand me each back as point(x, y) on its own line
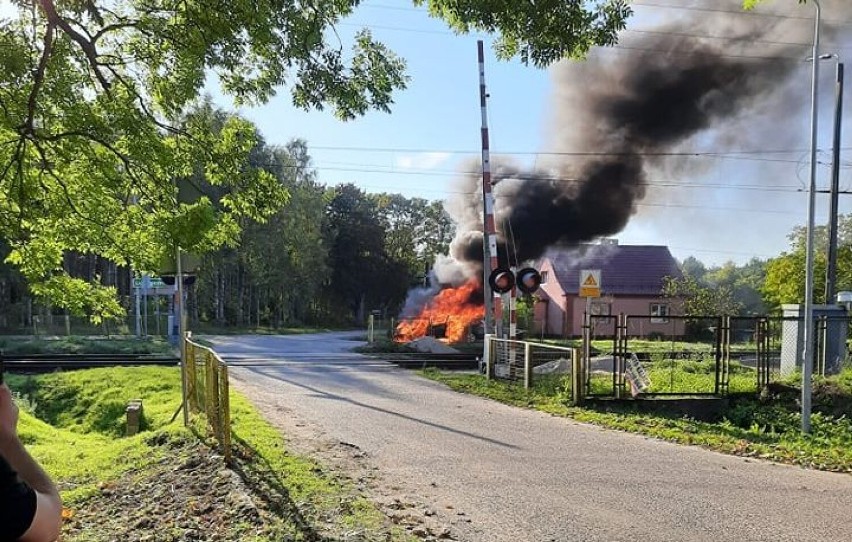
point(183, 380)
point(191, 378)
point(621, 352)
point(527, 365)
point(225, 411)
point(370, 328)
point(486, 354)
point(210, 391)
point(576, 378)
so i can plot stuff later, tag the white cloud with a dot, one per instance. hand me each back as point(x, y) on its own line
point(422, 160)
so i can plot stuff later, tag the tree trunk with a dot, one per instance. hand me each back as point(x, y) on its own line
point(218, 295)
point(359, 314)
point(240, 294)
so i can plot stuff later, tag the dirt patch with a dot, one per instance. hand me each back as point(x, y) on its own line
point(189, 495)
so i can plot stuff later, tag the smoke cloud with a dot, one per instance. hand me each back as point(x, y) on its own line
point(637, 109)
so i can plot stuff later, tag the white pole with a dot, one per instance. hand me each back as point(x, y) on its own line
point(489, 229)
point(808, 349)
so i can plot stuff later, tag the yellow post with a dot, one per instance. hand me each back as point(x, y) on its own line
point(225, 406)
point(191, 376)
point(577, 377)
point(210, 391)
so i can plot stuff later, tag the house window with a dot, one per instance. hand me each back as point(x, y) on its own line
point(598, 308)
point(659, 313)
point(543, 277)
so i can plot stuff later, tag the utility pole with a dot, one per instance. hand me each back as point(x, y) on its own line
point(831, 267)
point(808, 335)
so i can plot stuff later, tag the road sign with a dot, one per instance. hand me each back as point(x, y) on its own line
point(590, 283)
point(148, 283)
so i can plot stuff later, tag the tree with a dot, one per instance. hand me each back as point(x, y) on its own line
point(364, 276)
point(93, 95)
point(416, 230)
point(785, 275)
point(693, 267)
point(699, 299)
point(744, 282)
point(280, 265)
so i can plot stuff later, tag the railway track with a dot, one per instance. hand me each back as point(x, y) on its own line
point(460, 362)
point(37, 363)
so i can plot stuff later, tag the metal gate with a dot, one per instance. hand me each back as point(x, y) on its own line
point(653, 355)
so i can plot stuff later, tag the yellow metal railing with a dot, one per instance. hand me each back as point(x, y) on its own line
point(205, 375)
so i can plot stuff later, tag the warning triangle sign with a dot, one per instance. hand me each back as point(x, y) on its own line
point(590, 281)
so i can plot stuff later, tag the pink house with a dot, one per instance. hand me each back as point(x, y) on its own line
point(631, 279)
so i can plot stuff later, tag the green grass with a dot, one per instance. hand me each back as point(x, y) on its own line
point(766, 428)
point(81, 345)
point(73, 423)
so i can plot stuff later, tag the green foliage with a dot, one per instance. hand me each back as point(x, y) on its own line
point(364, 275)
point(98, 134)
point(281, 263)
point(785, 274)
point(82, 345)
point(535, 33)
point(701, 300)
point(728, 289)
point(94, 401)
point(416, 230)
point(81, 451)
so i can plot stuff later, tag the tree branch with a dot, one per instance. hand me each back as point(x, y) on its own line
point(87, 46)
point(38, 79)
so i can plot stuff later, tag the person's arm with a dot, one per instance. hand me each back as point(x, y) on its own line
point(48, 516)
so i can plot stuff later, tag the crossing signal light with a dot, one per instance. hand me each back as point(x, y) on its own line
point(528, 280)
point(169, 280)
point(501, 280)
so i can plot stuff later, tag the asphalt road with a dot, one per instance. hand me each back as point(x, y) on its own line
point(519, 475)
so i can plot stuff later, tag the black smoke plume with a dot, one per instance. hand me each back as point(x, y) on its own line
point(627, 110)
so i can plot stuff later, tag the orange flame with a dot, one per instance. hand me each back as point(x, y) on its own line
point(452, 308)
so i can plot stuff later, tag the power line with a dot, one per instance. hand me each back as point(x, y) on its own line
point(611, 48)
point(650, 183)
point(744, 39)
point(421, 150)
point(776, 15)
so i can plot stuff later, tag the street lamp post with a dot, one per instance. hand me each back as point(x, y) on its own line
point(808, 349)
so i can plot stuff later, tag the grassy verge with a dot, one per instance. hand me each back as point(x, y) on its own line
point(81, 345)
point(73, 423)
point(766, 427)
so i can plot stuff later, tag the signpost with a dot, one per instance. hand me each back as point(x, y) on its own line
point(590, 283)
point(142, 285)
point(146, 282)
point(590, 286)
